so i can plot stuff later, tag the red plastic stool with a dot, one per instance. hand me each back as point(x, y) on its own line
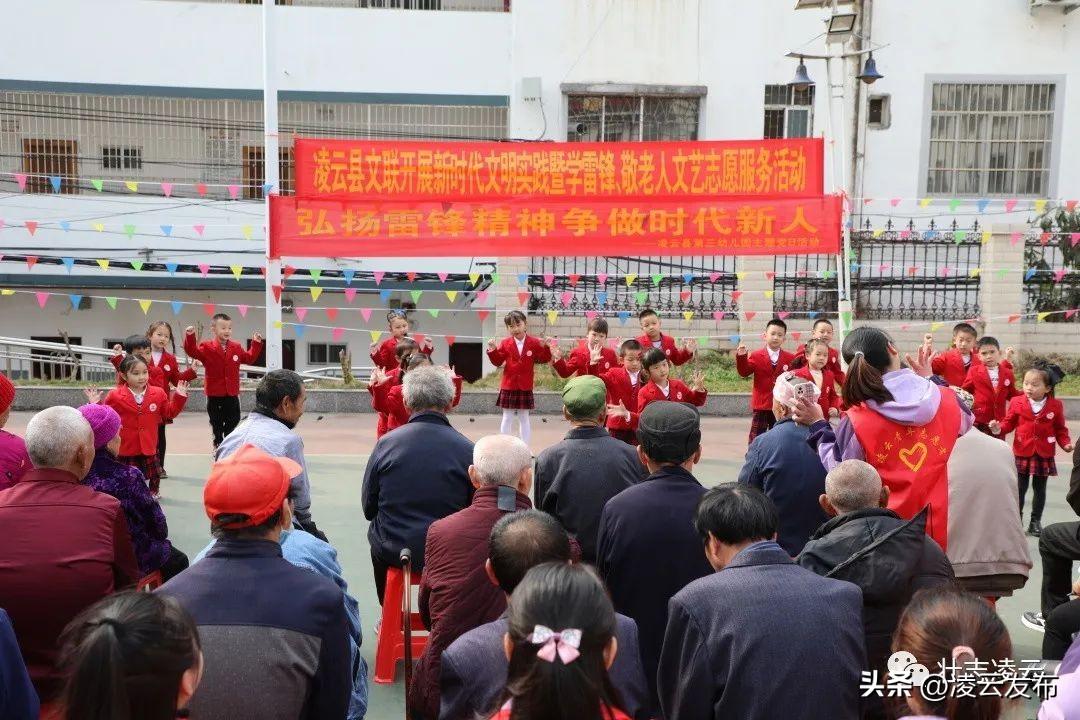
point(391, 646)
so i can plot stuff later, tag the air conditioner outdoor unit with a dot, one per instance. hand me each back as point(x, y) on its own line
point(1066, 6)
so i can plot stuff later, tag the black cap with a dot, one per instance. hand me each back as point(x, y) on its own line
point(669, 432)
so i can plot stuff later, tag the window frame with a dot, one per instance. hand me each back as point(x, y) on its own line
point(641, 93)
point(331, 358)
point(1053, 164)
point(788, 109)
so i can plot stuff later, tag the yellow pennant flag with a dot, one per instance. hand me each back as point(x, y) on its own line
point(769, 293)
point(687, 314)
point(878, 233)
point(934, 327)
point(5, 291)
point(375, 335)
point(315, 293)
point(986, 236)
point(277, 324)
point(976, 272)
point(740, 275)
point(925, 202)
point(1040, 206)
point(103, 264)
point(630, 279)
point(100, 227)
point(145, 305)
point(237, 271)
point(1041, 316)
point(131, 185)
point(552, 315)
point(474, 278)
point(246, 231)
point(451, 295)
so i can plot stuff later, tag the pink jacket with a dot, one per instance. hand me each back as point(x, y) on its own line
point(14, 461)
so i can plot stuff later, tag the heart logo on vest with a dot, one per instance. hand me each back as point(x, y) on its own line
point(914, 456)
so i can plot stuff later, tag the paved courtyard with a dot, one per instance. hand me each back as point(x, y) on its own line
point(337, 448)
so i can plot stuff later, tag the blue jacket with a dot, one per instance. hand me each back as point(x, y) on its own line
point(275, 637)
point(763, 639)
point(782, 465)
point(307, 551)
point(416, 475)
point(18, 699)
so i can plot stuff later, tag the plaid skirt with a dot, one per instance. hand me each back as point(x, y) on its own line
point(149, 465)
point(1036, 466)
point(761, 422)
point(515, 400)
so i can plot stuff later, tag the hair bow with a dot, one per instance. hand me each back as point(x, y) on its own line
point(566, 643)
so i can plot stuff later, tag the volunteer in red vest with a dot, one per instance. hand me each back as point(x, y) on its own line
point(901, 420)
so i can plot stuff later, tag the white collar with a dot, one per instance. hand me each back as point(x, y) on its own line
point(520, 343)
point(1038, 405)
point(774, 355)
point(156, 354)
point(666, 390)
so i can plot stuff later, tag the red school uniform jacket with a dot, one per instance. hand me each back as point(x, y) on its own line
point(579, 362)
point(990, 403)
point(139, 422)
point(157, 376)
point(829, 398)
point(621, 389)
point(389, 400)
point(832, 364)
point(518, 368)
point(385, 355)
point(164, 374)
point(950, 366)
point(765, 373)
point(1035, 434)
point(677, 392)
point(222, 363)
point(394, 378)
point(675, 354)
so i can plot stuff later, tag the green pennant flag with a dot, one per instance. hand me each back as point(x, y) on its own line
point(111, 301)
point(416, 295)
point(702, 342)
point(1002, 273)
point(641, 297)
point(845, 317)
point(433, 312)
point(657, 278)
point(97, 184)
point(959, 236)
point(136, 265)
point(953, 204)
point(851, 255)
point(495, 278)
point(315, 275)
point(129, 230)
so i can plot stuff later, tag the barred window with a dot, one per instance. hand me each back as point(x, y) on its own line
point(614, 118)
point(324, 354)
point(991, 139)
point(121, 158)
point(789, 113)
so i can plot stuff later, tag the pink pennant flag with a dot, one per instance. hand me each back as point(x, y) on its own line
point(1014, 238)
point(523, 297)
point(565, 298)
point(419, 338)
point(31, 226)
point(166, 189)
point(209, 308)
point(31, 261)
point(718, 315)
point(482, 296)
point(1070, 205)
point(735, 295)
point(204, 269)
point(770, 275)
point(574, 278)
point(713, 277)
point(332, 314)
point(1070, 313)
point(884, 267)
point(749, 315)
point(590, 315)
point(443, 276)
point(868, 201)
point(483, 314)
point(350, 294)
point(42, 298)
point(783, 315)
point(199, 229)
point(243, 310)
point(905, 234)
point(913, 270)
point(895, 201)
point(549, 279)
point(1009, 205)
point(799, 292)
point(450, 339)
point(301, 313)
point(337, 333)
point(796, 335)
point(945, 271)
point(234, 191)
point(905, 326)
point(21, 179)
point(200, 188)
point(287, 272)
point(378, 275)
point(602, 278)
point(802, 273)
point(411, 276)
point(1059, 275)
point(1014, 317)
point(365, 313)
point(1075, 239)
point(1044, 238)
point(684, 295)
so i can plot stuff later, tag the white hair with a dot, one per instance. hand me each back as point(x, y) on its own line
point(55, 434)
point(853, 485)
point(428, 388)
point(500, 459)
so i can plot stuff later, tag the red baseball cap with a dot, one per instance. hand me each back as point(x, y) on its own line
point(249, 483)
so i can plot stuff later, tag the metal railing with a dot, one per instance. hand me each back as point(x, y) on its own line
point(805, 284)
point(1052, 276)
point(464, 5)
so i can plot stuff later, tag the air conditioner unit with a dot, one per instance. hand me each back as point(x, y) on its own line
point(1066, 6)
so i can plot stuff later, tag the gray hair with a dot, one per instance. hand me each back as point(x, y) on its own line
point(500, 459)
point(428, 388)
point(54, 434)
point(853, 485)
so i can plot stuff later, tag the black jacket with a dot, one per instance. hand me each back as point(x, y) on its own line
point(888, 558)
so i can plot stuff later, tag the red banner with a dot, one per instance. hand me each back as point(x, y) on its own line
point(374, 170)
point(303, 227)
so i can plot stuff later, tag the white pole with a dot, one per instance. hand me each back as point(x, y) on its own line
point(273, 181)
point(843, 279)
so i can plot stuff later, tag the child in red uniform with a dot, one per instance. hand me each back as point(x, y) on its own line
point(653, 338)
point(388, 398)
point(142, 408)
point(765, 365)
point(519, 353)
point(402, 352)
point(662, 387)
point(160, 334)
point(992, 384)
point(222, 359)
point(581, 360)
point(136, 345)
point(822, 330)
point(953, 364)
point(1039, 420)
point(384, 354)
point(816, 370)
point(623, 384)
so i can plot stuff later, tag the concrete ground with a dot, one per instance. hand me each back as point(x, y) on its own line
point(337, 447)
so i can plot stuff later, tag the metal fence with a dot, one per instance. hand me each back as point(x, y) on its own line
point(1052, 276)
point(666, 284)
point(805, 283)
point(908, 274)
point(466, 5)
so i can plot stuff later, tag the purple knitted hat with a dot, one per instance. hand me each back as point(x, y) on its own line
point(104, 421)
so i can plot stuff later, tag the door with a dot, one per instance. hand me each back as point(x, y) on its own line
point(288, 357)
point(47, 158)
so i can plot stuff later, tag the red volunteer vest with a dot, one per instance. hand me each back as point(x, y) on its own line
point(913, 461)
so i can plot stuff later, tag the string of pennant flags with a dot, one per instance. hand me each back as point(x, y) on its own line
point(166, 188)
point(982, 205)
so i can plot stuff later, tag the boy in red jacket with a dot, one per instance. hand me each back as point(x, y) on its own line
point(623, 384)
point(519, 353)
point(954, 363)
point(222, 359)
point(581, 360)
point(765, 365)
point(653, 338)
point(661, 386)
point(822, 330)
point(992, 384)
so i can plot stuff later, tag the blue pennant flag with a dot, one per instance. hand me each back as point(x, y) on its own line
point(384, 295)
point(855, 267)
point(76, 300)
point(167, 229)
point(813, 314)
point(850, 225)
point(300, 330)
point(54, 180)
point(267, 187)
point(177, 307)
point(171, 267)
point(734, 339)
point(601, 297)
point(349, 274)
point(65, 225)
point(69, 263)
point(523, 278)
point(982, 204)
point(1030, 273)
point(624, 315)
point(688, 278)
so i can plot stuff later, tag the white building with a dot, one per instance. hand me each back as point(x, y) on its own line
point(975, 121)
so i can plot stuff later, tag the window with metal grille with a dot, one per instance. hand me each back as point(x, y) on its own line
point(610, 118)
point(324, 353)
point(991, 139)
point(789, 113)
point(906, 274)
point(121, 158)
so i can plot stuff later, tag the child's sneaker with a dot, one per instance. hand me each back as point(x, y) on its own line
point(1034, 621)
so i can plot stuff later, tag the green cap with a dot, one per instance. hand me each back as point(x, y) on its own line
point(584, 397)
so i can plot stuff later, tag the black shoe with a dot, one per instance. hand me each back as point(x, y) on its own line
point(1034, 528)
point(1034, 621)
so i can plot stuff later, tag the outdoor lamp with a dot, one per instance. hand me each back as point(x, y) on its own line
point(870, 72)
point(802, 81)
point(840, 26)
